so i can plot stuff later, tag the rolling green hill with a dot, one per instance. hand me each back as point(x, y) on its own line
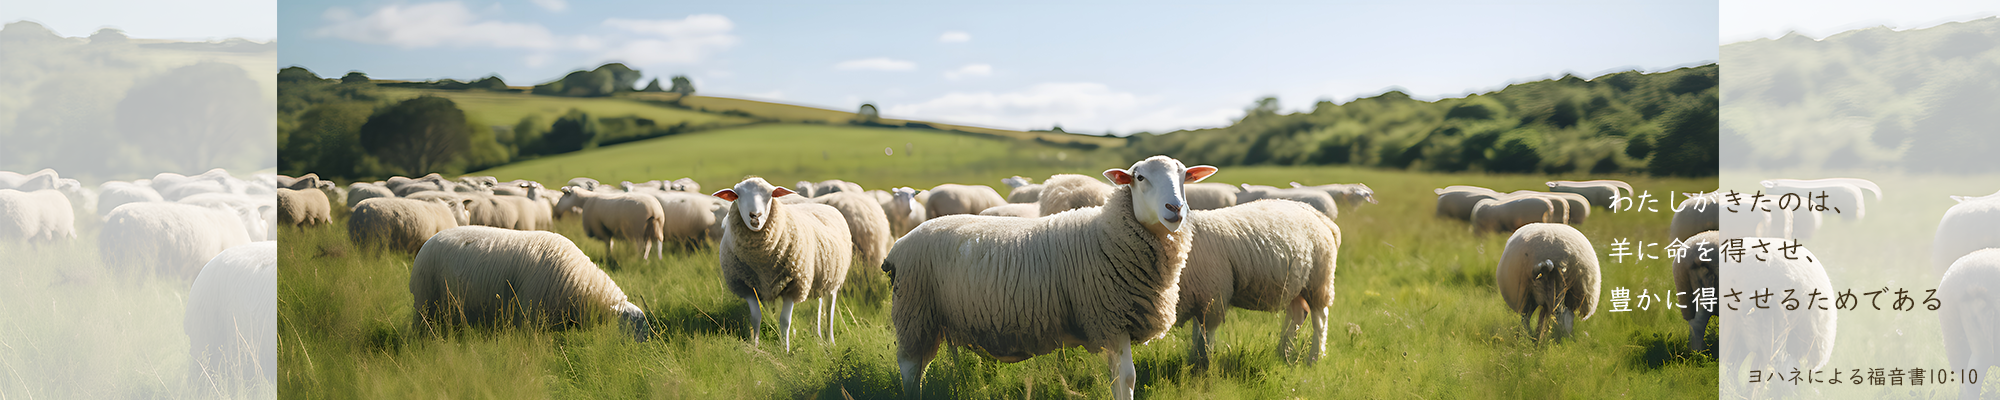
point(800, 113)
point(506, 109)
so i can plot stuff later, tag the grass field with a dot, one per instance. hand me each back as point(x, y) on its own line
point(1416, 315)
point(800, 113)
point(506, 109)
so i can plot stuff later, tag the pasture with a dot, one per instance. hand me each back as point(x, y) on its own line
point(506, 109)
point(1416, 313)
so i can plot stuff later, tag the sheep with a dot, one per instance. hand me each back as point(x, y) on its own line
point(1022, 190)
point(805, 188)
point(1319, 200)
point(36, 217)
point(686, 218)
point(1573, 206)
point(231, 321)
point(112, 194)
point(832, 186)
point(303, 207)
point(786, 252)
point(82, 200)
point(334, 195)
point(258, 214)
point(1969, 317)
point(1508, 213)
point(428, 183)
point(1017, 210)
point(880, 197)
point(1843, 194)
point(1966, 227)
point(308, 181)
point(38, 180)
point(582, 182)
point(1962, 199)
point(1456, 202)
point(954, 199)
point(486, 276)
point(517, 187)
point(1551, 268)
point(1598, 192)
point(1064, 192)
point(613, 216)
point(686, 185)
point(1099, 277)
point(905, 213)
point(1697, 214)
point(479, 181)
point(1347, 194)
point(1696, 271)
point(1210, 196)
point(170, 240)
point(1267, 255)
point(360, 191)
point(402, 224)
point(1775, 337)
point(867, 225)
point(535, 213)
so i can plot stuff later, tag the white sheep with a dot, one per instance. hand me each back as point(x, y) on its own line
point(1551, 268)
point(867, 226)
point(1346, 194)
point(686, 219)
point(686, 185)
point(1970, 315)
point(44, 179)
point(1574, 207)
point(1022, 189)
point(403, 224)
point(904, 212)
point(1696, 271)
point(954, 199)
point(1210, 196)
point(1962, 199)
point(258, 214)
point(112, 194)
point(613, 216)
point(582, 182)
point(231, 321)
point(1698, 214)
point(1318, 199)
point(1510, 212)
point(1776, 337)
point(1456, 202)
point(1968, 226)
point(1599, 192)
point(1101, 277)
point(308, 207)
point(359, 191)
point(170, 240)
point(36, 217)
point(805, 188)
point(1064, 192)
point(1017, 210)
point(486, 276)
point(1269, 255)
point(772, 250)
point(832, 186)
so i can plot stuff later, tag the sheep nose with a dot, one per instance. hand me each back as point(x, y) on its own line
point(1174, 219)
point(1173, 207)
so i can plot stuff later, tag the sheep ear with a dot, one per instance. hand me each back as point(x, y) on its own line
point(1118, 176)
point(1297, 185)
point(726, 194)
point(1551, 183)
point(1200, 172)
point(780, 191)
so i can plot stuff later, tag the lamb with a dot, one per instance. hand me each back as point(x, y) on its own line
point(360, 191)
point(1017, 210)
point(954, 199)
point(1551, 268)
point(1456, 202)
point(1022, 190)
point(1599, 192)
point(404, 224)
point(867, 226)
point(1348, 194)
point(1695, 272)
point(1268, 255)
point(1777, 338)
point(1099, 277)
point(1574, 207)
point(1210, 196)
point(231, 321)
point(1508, 213)
point(786, 252)
point(905, 213)
point(1698, 214)
point(486, 276)
point(170, 240)
point(1969, 317)
point(303, 207)
point(1966, 227)
point(112, 194)
point(1064, 192)
point(535, 213)
point(1319, 200)
point(613, 216)
point(36, 217)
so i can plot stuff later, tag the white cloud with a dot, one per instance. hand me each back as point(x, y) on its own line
point(551, 5)
point(683, 41)
point(875, 64)
point(954, 37)
point(443, 24)
point(969, 71)
point(771, 95)
point(1076, 106)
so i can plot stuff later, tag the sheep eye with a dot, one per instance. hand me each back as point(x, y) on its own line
point(1141, 178)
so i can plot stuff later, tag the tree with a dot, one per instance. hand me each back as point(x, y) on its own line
point(868, 115)
point(574, 131)
point(1264, 107)
point(622, 77)
point(417, 135)
point(355, 77)
point(1687, 142)
point(491, 82)
point(528, 135)
point(200, 116)
point(682, 85)
point(327, 140)
point(296, 74)
point(653, 86)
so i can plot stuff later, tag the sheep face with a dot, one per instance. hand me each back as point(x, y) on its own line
point(753, 201)
point(1015, 182)
point(633, 320)
point(1156, 182)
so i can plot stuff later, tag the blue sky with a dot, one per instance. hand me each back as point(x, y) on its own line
point(1123, 67)
point(151, 19)
point(1743, 20)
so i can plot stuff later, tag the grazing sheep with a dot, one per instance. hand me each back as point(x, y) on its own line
point(1064, 192)
point(1598, 192)
point(1573, 206)
point(1698, 214)
point(686, 219)
point(1100, 277)
point(231, 321)
point(772, 250)
point(1775, 337)
point(112, 194)
point(1552, 268)
point(1210, 196)
point(36, 217)
point(258, 214)
point(1022, 190)
point(1318, 199)
point(1017, 210)
point(880, 197)
point(1694, 272)
point(1843, 194)
point(359, 191)
point(404, 224)
point(1347, 194)
point(486, 276)
point(495, 211)
point(1970, 320)
point(1456, 202)
point(905, 213)
point(82, 200)
point(867, 225)
point(1966, 227)
point(804, 189)
point(686, 185)
point(308, 207)
point(613, 216)
point(1508, 213)
point(954, 199)
point(832, 186)
point(427, 183)
point(38, 180)
point(170, 240)
point(1269, 255)
point(309, 181)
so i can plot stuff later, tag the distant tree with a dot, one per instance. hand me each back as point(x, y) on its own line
point(328, 140)
point(682, 85)
point(297, 74)
point(355, 77)
point(108, 36)
point(574, 131)
point(1687, 142)
point(418, 135)
point(1639, 146)
point(622, 77)
point(1264, 107)
point(653, 86)
point(868, 115)
point(200, 116)
point(528, 135)
point(491, 82)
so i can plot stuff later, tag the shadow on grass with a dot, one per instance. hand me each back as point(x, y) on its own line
point(1656, 350)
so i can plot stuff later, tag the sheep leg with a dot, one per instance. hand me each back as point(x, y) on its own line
point(1198, 352)
point(819, 316)
point(1528, 318)
point(1565, 318)
point(756, 319)
point(1295, 314)
point(832, 312)
point(1124, 376)
point(1319, 337)
point(785, 324)
point(1697, 327)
